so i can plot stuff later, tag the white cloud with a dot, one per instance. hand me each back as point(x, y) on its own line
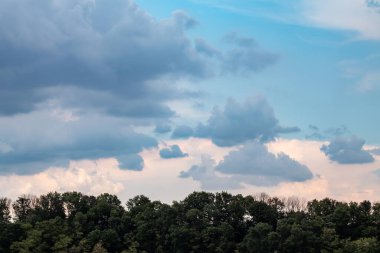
point(359, 16)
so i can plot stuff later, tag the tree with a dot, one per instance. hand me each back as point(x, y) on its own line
point(5, 204)
point(24, 207)
point(260, 238)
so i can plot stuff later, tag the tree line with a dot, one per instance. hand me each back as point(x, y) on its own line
point(202, 222)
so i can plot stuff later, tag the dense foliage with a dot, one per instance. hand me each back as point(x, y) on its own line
point(202, 222)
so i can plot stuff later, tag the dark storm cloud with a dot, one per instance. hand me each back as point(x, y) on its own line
point(173, 151)
point(237, 123)
point(347, 150)
point(251, 164)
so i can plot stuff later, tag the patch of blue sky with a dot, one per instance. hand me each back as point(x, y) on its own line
point(309, 83)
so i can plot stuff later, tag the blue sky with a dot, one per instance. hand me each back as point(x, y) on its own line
point(311, 77)
point(136, 84)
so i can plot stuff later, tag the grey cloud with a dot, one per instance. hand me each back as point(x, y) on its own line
point(110, 47)
point(162, 128)
point(332, 132)
point(347, 150)
point(243, 57)
point(237, 123)
point(256, 161)
point(377, 172)
point(183, 19)
point(182, 131)
point(206, 49)
point(251, 164)
point(208, 178)
point(131, 162)
point(375, 151)
point(38, 140)
point(106, 46)
point(173, 151)
point(246, 56)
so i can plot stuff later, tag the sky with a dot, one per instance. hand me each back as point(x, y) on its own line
point(164, 98)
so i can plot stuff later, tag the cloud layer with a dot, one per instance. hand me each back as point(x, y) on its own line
point(32, 142)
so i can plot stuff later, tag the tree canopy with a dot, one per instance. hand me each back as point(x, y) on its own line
point(202, 222)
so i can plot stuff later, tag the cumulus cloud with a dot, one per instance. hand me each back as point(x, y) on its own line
point(77, 77)
point(251, 164)
point(111, 47)
point(347, 150)
point(240, 122)
point(208, 177)
point(35, 141)
point(254, 159)
point(105, 55)
point(173, 151)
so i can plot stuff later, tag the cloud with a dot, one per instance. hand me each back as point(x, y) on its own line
point(96, 47)
point(359, 16)
point(32, 142)
point(255, 161)
point(184, 20)
point(78, 77)
point(251, 164)
point(162, 128)
point(108, 56)
point(243, 56)
point(182, 131)
point(237, 123)
point(208, 177)
point(206, 49)
point(173, 151)
point(246, 56)
point(318, 134)
point(377, 172)
point(375, 151)
point(347, 150)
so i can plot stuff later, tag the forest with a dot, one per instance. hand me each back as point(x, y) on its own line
point(201, 222)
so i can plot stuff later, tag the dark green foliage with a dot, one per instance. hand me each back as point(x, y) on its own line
point(202, 222)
